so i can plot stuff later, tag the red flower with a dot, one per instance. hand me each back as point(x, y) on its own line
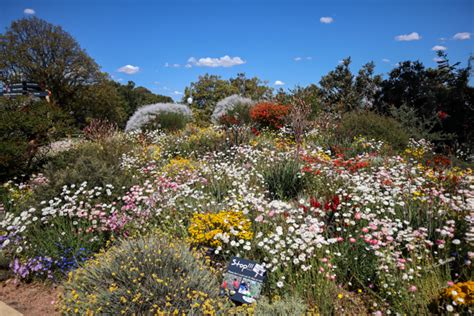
point(255, 131)
point(314, 203)
point(442, 115)
point(270, 115)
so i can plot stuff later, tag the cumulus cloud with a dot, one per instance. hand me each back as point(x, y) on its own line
point(439, 47)
point(29, 11)
point(279, 83)
point(326, 19)
point(129, 69)
point(224, 61)
point(414, 36)
point(386, 60)
point(462, 36)
point(297, 58)
point(177, 93)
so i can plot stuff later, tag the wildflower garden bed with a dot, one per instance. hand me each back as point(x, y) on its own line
point(146, 223)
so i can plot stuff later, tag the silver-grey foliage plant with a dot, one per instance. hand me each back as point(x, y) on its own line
point(147, 113)
point(227, 104)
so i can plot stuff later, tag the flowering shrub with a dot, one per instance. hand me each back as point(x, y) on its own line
point(269, 114)
point(99, 130)
point(232, 110)
point(220, 229)
point(147, 275)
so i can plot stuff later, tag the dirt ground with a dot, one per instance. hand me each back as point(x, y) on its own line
point(30, 299)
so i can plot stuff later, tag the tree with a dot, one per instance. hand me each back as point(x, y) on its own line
point(337, 88)
point(98, 101)
point(413, 85)
point(138, 96)
point(32, 49)
point(367, 86)
point(206, 92)
point(25, 126)
point(210, 89)
point(341, 91)
point(443, 92)
point(252, 88)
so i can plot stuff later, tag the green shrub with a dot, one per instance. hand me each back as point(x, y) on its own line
point(96, 163)
point(290, 305)
point(195, 140)
point(168, 121)
point(284, 179)
point(25, 126)
point(373, 126)
point(147, 275)
point(420, 127)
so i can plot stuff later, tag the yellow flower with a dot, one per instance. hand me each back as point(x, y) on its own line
point(211, 229)
point(113, 288)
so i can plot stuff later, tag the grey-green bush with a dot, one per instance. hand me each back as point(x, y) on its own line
point(373, 126)
point(96, 163)
point(167, 121)
point(141, 276)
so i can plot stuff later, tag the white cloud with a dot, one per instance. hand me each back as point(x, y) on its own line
point(168, 65)
point(177, 93)
point(326, 19)
point(437, 59)
point(414, 36)
point(462, 36)
point(188, 66)
point(29, 11)
point(301, 58)
point(439, 47)
point(386, 60)
point(279, 83)
point(129, 69)
point(224, 61)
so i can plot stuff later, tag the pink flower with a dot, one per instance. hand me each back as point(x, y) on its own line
point(412, 288)
point(352, 240)
point(259, 218)
point(357, 215)
point(271, 213)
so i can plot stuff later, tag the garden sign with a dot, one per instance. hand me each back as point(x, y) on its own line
point(243, 280)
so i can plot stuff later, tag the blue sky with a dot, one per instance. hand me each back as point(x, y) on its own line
point(165, 45)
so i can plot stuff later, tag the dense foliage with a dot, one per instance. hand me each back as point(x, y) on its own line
point(26, 126)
